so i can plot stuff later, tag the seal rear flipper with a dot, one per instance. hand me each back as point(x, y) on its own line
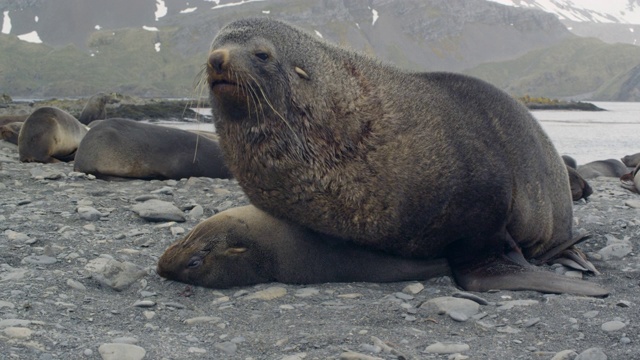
point(500, 272)
point(579, 235)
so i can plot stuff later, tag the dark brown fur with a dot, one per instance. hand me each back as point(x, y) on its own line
point(425, 165)
point(50, 135)
point(95, 108)
point(122, 148)
point(6, 119)
point(245, 246)
point(10, 132)
point(608, 168)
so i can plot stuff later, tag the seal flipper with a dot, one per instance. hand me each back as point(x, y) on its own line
point(503, 273)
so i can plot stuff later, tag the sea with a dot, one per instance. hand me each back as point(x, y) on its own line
point(584, 135)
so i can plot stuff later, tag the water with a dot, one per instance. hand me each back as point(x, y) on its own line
point(594, 135)
point(584, 135)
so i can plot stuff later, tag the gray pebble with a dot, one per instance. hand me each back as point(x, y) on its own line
point(592, 354)
point(157, 211)
point(403, 296)
point(615, 251)
point(613, 325)
point(470, 296)
point(446, 348)
point(114, 351)
point(144, 303)
point(89, 213)
point(448, 304)
point(458, 316)
point(39, 260)
point(227, 347)
point(115, 274)
point(531, 322)
point(75, 285)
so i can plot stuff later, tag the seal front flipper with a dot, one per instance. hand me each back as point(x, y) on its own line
point(500, 272)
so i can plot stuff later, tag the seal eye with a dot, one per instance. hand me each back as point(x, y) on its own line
point(262, 56)
point(194, 262)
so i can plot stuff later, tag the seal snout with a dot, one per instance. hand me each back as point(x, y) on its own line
point(219, 61)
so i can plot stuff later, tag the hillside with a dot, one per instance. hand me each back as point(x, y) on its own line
point(576, 68)
point(142, 48)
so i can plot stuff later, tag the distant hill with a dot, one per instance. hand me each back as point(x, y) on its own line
point(156, 48)
point(576, 68)
point(624, 87)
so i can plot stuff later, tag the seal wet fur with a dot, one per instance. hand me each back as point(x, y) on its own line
point(421, 165)
point(245, 246)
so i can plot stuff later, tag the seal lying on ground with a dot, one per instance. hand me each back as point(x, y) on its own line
point(10, 132)
point(570, 162)
point(608, 168)
point(245, 246)
point(580, 188)
point(631, 181)
point(7, 119)
point(50, 135)
point(123, 148)
point(632, 160)
point(420, 165)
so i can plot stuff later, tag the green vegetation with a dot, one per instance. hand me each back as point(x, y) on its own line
point(573, 67)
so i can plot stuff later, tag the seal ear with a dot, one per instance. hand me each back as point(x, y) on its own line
point(303, 74)
point(235, 251)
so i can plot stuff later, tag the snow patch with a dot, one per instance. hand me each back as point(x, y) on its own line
point(610, 11)
point(97, 27)
point(150, 28)
point(6, 23)
point(358, 25)
point(37, 18)
point(375, 16)
point(266, 11)
point(242, 2)
point(161, 9)
point(31, 37)
point(157, 46)
point(319, 34)
point(188, 10)
point(631, 29)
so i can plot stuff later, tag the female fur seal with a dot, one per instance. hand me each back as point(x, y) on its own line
point(245, 246)
point(122, 148)
point(421, 165)
point(50, 135)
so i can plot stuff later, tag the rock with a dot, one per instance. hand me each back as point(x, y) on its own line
point(46, 173)
point(446, 348)
point(616, 250)
point(202, 319)
point(306, 292)
point(592, 354)
point(158, 210)
point(117, 275)
point(613, 325)
point(115, 351)
point(270, 293)
point(39, 260)
point(75, 285)
point(350, 355)
point(565, 355)
point(89, 213)
point(413, 289)
point(14, 323)
point(18, 332)
point(227, 347)
point(508, 305)
point(447, 304)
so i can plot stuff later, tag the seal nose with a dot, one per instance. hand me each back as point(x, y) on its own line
point(218, 60)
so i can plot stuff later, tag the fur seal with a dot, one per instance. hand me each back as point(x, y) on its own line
point(95, 108)
point(631, 160)
point(7, 119)
point(10, 132)
point(570, 162)
point(631, 181)
point(608, 168)
point(50, 135)
point(580, 188)
point(420, 165)
point(245, 246)
point(122, 148)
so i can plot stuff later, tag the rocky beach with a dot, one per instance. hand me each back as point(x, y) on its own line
point(78, 281)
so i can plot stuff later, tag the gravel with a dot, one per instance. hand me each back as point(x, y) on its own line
point(78, 281)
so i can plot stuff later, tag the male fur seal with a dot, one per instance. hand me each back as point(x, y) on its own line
point(123, 148)
point(95, 108)
point(421, 165)
point(7, 119)
point(245, 246)
point(49, 135)
point(631, 181)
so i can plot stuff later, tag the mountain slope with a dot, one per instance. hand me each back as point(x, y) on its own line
point(75, 59)
point(575, 68)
